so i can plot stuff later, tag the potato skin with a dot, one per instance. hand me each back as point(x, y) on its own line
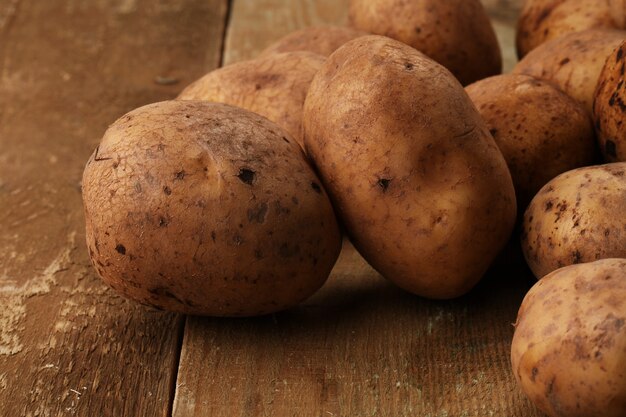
point(207, 209)
point(456, 33)
point(609, 107)
point(419, 183)
point(573, 62)
point(577, 217)
point(569, 347)
point(322, 40)
point(274, 86)
point(541, 131)
point(544, 20)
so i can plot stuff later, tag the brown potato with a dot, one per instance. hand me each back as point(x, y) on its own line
point(322, 40)
point(573, 62)
point(456, 33)
point(541, 131)
point(417, 179)
point(274, 86)
point(577, 217)
point(205, 208)
point(569, 347)
point(609, 107)
point(544, 20)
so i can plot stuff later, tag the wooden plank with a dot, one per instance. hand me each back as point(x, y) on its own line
point(360, 346)
point(68, 68)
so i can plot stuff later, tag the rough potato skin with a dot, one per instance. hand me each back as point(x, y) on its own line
point(417, 179)
point(577, 217)
point(456, 33)
point(273, 86)
point(569, 347)
point(544, 20)
point(573, 62)
point(207, 209)
point(541, 131)
point(322, 40)
point(609, 107)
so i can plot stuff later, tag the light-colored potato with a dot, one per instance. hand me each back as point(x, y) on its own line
point(569, 348)
point(580, 216)
point(541, 131)
point(544, 20)
point(274, 86)
point(573, 62)
point(420, 185)
point(609, 107)
point(456, 33)
point(322, 40)
point(204, 208)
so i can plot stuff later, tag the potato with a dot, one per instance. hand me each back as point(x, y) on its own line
point(577, 217)
point(573, 62)
point(541, 131)
point(204, 208)
point(274, 86)
point(544, 20)
point(609, 107)
point(417, 179)
point(569, 347)
point(322, 40)
point(455, 33)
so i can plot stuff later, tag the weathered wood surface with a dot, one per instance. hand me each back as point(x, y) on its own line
point(68, 68)
point(359, 347)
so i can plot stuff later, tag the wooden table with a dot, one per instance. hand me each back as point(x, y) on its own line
point(69, 346)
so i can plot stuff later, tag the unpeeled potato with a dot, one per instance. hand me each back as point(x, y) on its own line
point(580, 216)
point(573, 62)
point(455, 33)
point(541, 131)
point(569, 349)
point(273, 86)
point(609, 107)
point(421, 187)
point(544, 20)
point(204, 208)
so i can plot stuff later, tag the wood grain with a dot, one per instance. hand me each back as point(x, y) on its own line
point(360, 346)
point(68, 68)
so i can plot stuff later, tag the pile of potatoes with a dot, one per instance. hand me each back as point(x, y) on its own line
point(400, 132)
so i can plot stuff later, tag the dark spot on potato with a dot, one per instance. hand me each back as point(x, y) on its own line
point(180, 175)
point(316, 187)
point(610, 148)
point(564, 61)
point(213, 236)
point(187, 116)
point(534, 373)
point(418, 29)
point(286, 140)
point(493, 132)
point(607, 232)
point(549, 205)
point(294, 200)
point(246, 175)
point(163, 222)
point(576, 257)
point(120, 249)
point(258, 213)
point(238, 240)
point(137, 187)
point(408, 66)
point(167, 190)
point(384, 183)
point(258, 254)
point(620, 54)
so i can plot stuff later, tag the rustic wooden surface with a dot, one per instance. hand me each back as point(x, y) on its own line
point(70, 346)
